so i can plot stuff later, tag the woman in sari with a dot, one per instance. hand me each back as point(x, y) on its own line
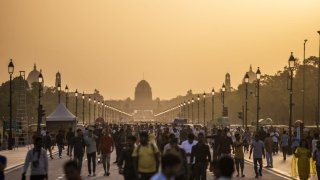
point(303, 154)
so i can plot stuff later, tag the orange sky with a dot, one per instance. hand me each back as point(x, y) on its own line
point(177, 44)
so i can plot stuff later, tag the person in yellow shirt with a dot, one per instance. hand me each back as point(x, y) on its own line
point(146, 158)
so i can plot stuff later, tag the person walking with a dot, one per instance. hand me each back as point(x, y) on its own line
point(170, 165)
point(106, 147)
point(275, 139)
point(127, 170)
point(257, 148)
point(201, 154)
point(47, 143)
point(284, 143)
point(78, 145)
point(225, 168)
point(146, 158)
point(316, 158)
point(239, 155)
point(187, 147)
point(225, 144)
point(3, 165)
point(91, 150)
point(69, 137)
point(303, 154)
point(60, 142)
point(39, 162)
point(268, 144)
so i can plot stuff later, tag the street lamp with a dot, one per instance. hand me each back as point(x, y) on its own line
point(318, 85)
point(292, 62)
point(89, 109)
point(188, 104)
point(246, 80)
point(212, 102)
point(184, 109)
point(59, 93)
point(102, 109)
point(94, 109)
point(76, 94)
point(223, 90)
point(204, 109)
point(67, 91)
point(198, 98)
point(40, 79)
point(192, 102)
point(304, 80)
point(83, 108)
point(98, 108)
point(10, 71)
point(258, 73)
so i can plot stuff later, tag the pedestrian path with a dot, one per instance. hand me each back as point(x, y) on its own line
point(17, 156)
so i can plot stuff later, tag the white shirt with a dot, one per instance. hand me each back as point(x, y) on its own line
point(187, 147)
point(275, 136)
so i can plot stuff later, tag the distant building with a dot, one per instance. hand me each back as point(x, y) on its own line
point(58, 79)
point(33, 76)
point(252, 75)
point(143, 96)
point(228, 82)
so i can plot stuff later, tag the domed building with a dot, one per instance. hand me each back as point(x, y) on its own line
point(143, 95)
point(252, 75)
point(33, 76)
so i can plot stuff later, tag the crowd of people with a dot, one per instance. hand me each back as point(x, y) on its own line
point(160, 152)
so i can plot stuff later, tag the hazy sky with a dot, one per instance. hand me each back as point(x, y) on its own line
point(177, 44)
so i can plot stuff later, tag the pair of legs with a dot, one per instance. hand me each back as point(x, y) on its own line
point(91, 158)
point(60, 146)
point(106, 163)
point(284, 152)
point(69, 150)
point(239, 166)
point(269, 159)
point(79, 162)
point(200, 171)
point(48, 148)
point(255, 162)
point(275, 148)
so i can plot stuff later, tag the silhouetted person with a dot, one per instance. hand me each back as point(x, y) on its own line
point(170, 166)
point(225, 166)
point(71, 170)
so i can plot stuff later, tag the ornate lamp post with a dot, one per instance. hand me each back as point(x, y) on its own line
point(98, 108)
point(83, 108)
point(10, 71)
point(192, 102)
point(184, 109)
point(303, 79)
point(198, 98)
point(40, 79)
point(318, 111)
point(94, 109)
point(188, 104)
point(204, 109)
point(59, 93)
point(292, 63)
point(102, 109)
point(76, 94)
point(212, 102)
point(246, 80)
point(223, 90)
point(258, 73)
point(89, 109)
point(67, 91)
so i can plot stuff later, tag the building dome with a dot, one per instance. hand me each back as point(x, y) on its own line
point(33, 76)
point(143, 91)
point(252, 75)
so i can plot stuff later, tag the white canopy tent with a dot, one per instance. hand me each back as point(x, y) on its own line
point(61, 114)
point(60, 119)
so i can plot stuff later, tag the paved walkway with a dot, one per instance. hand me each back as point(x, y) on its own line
point(17, 156)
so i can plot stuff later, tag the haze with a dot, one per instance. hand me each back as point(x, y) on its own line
point(177, 44)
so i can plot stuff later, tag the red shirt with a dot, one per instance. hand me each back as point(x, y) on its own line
point(106, 144)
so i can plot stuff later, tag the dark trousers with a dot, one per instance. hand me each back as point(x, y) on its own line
point(145, 176)
point(318, 172)
point(275, 147)
point(255, 162)
point(79, 162)
point(91, 158)
point(60, 146)
point(200, 170)
point(37, 177)
point(284, 152)
point(239, 163)
point(69, 150)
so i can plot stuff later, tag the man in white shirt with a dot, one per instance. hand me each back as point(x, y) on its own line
point(187, 147)
point(275, 139)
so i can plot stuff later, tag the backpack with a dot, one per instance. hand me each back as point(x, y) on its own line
point(154, 153)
